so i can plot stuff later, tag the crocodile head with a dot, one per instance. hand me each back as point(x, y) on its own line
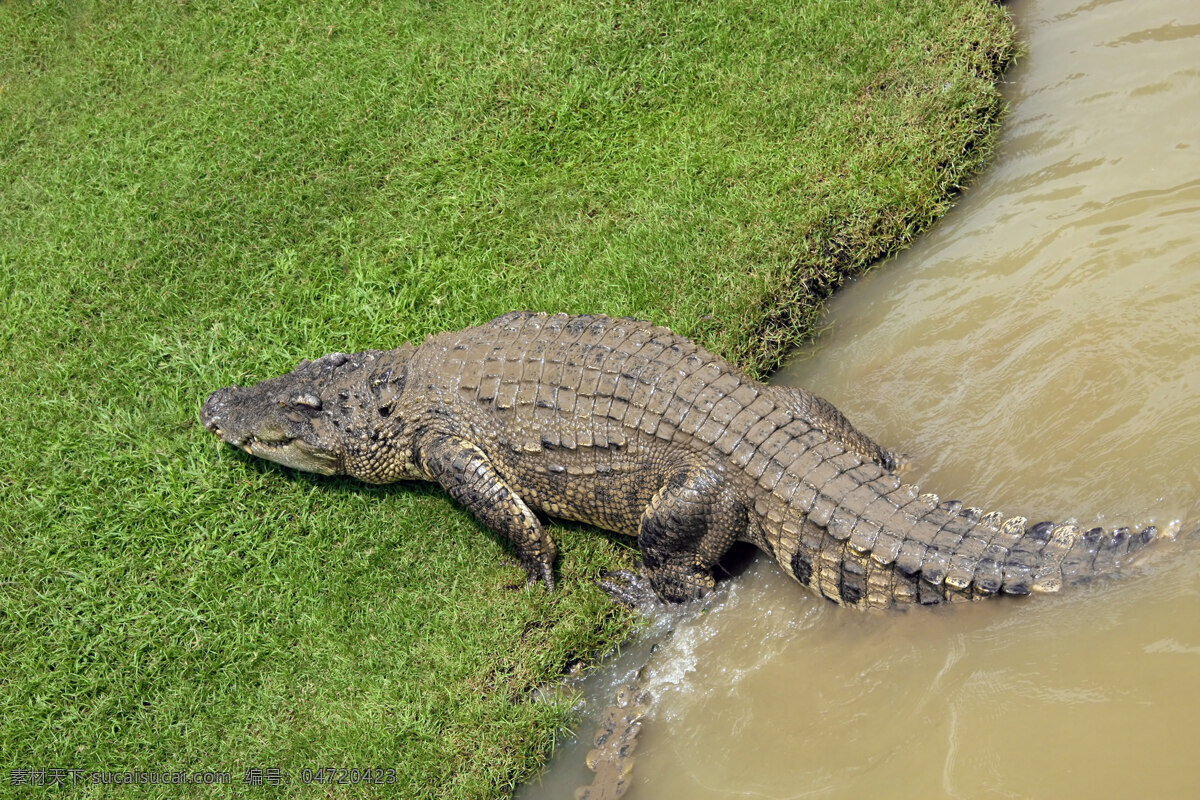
point(331, 416)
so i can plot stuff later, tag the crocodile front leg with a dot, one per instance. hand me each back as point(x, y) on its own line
point(690, 523)
point(469, 476)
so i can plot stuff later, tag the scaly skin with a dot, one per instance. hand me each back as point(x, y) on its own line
point(615, 740)
point(632, 428)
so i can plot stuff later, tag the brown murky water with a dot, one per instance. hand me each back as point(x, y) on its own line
point(1038, 353)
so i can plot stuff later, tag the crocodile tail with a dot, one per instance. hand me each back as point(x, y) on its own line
point(886, 544)
point(951, 552)
point(851, 530)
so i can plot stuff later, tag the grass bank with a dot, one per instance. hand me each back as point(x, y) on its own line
point(194, 194)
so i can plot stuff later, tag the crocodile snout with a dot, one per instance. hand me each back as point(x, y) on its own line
point(214, 408)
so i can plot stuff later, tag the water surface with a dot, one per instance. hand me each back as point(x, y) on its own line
point(1038, 353)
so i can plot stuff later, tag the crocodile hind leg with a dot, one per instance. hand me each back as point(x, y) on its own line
point(469, 476)
point(688, 526)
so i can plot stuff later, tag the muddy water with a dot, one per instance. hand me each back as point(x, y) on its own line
point(1037, 353)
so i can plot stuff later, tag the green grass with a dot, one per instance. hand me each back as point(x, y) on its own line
point(193, 195)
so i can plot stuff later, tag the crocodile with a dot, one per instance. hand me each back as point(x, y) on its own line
point(627, 426)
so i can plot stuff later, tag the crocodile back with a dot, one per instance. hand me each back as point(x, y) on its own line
point(592, 381)
point(551, 387)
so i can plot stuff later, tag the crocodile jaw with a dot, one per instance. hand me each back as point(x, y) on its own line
point(294, 453)
point(229, 413)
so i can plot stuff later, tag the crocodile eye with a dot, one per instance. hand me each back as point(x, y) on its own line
point(308, 401)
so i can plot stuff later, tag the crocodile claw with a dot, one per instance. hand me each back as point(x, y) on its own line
point(630, 588)
point(543, 571)
point(538, 569)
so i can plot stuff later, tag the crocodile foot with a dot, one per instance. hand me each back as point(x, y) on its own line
point(630, 588)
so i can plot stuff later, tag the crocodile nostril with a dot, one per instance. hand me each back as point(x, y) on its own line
point(210, 414)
